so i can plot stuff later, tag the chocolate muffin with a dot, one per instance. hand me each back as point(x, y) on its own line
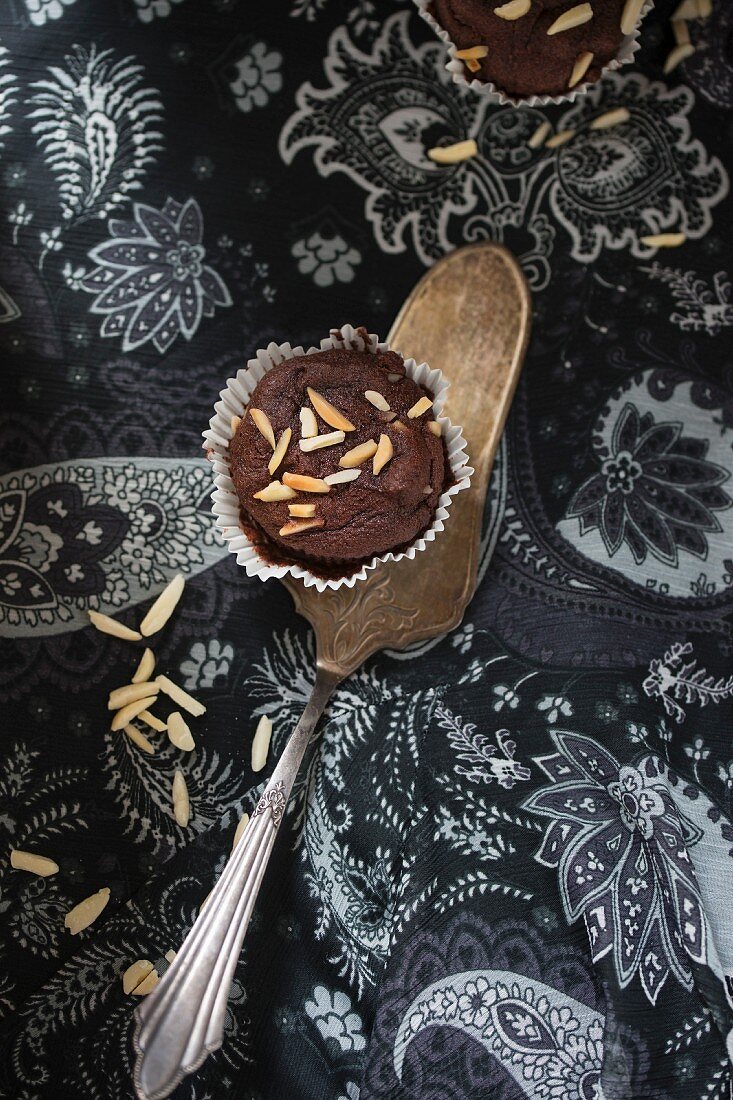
point(337, 459)
point(522, 58)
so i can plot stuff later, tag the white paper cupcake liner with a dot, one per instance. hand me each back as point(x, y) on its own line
point(628, 47)
point(235, 397)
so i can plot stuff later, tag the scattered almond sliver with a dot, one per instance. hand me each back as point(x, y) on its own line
point(630, 15)
point(138, 738)
point(136, 973)
point(538, 137)
point(275, 491)
point(86, 912)
point(130, 693)
point(610, 118)
point(264, 426)
point(147, 985)
point(298, 526)
point(261, 743)
point(472, 53)
point(704, 8)
point(145, 668)
point(239, 831)
point(383, 454)
point(181, 803)
point(308, 423)
point(279, 453)
point(179, 733)
point(164, 606)
point(559, 139)
point(34, 864)
point(111, 626)
point(178, 695)
point(664, 240)
point(318, 442)
point(341, 477)
point(124, 716)
point(453, 154)
point(688, 9)
point(435, 427)
point(304, 484)
point(680, 31)
point(359, 454)
point(377, 399)
point(515, 9)
point(580, 68)
point(329, 412)
point(677, 55)
point(302, 511)
point(169, 956)
point(419, 408)
point(150, 720)
point(573, 17)
point(235, 422)
point(472, 65)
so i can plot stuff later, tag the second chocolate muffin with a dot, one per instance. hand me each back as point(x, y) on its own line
point(369, 403)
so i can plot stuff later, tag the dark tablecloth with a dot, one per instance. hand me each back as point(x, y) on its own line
point(507, 869)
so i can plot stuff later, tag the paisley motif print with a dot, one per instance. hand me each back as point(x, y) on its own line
point(382, 111)
point(620, 844)
point(549, 1043)
point(101, 534)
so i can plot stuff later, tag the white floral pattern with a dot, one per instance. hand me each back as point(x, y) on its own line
point(256, 77)
point(327, 259)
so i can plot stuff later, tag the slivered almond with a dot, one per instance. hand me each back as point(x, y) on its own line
point(298, 526)
point(164, 606)
point(279, 453)
point(630, 15)
point(374, 397)
point(275, 491)
point(688, 9)
point(308, 423)
point(150, 720)
point(147, 985)
point(329, 412)
point(680, 31)
point(304, 484)
point(559, 139)
point(235, 422)
point(181, 803)
point(318, 442)
point(145, 668)
point(676, 55)
point(664, 240)
point(610, 118)
point(359, 454)
point(395, 377)
point(435, 427)
point(179, 733)
point(419, 408)
point(472, 53)
point(515, 9)
point(538, 137)
point(124, 716)
point(383, 454)
point(302, 511)
point(178, 695)
point(120, 697)
point(264, 426)
point(573, 17)
point(261, 743)
point(341, 477)
point(169, 956)
point(580, 68)
point(136, 973)
point(138, 738)
point(86, 912)
point(472, 65)
point(35, 865)
point(453, 154)
point(111, 626)
point(239, 831)
point(704, 8)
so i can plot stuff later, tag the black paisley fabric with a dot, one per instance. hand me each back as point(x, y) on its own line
point(507, 867)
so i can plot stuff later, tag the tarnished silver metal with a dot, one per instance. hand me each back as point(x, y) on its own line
point(469, 315)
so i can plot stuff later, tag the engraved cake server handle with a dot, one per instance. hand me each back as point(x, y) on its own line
point(470, 316)
point(182, 1021)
